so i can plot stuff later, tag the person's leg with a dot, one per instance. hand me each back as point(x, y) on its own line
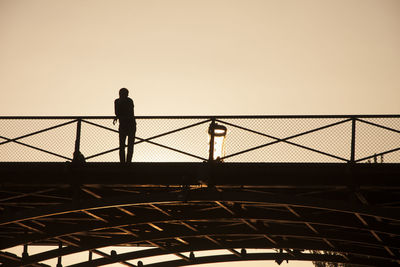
point(122, 138)
point(131, 141)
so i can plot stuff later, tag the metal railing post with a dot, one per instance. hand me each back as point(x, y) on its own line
point(212, 138)
point(353, 140)
point(78, 135)
point(25, 252)
point(59, 264)
point(78, 157)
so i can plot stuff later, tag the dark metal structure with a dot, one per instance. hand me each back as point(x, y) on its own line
point(298, 185)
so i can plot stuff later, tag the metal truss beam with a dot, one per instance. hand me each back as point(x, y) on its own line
point(136, 255)
point(344, 223)
point(197, 196)
point(277, 257)
point(287, 239)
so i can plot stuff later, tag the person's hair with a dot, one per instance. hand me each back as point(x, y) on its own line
point(123, 92)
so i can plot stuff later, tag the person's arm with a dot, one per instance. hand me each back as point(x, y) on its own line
point(131, 106)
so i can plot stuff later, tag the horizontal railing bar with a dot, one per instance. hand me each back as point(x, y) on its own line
point(208, 116)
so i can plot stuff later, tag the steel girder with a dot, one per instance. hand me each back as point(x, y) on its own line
point(278, 257)
point(177, 219)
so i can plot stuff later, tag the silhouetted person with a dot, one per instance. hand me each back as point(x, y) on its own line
point(127, 124)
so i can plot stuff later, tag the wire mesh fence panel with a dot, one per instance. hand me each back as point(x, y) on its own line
point(151, 153)
point(37, 140)
point(282, 127)
point(187, 139)
point(386, 122)
point(243, 137)
point(393, 157)
point(97, 137)
point(172, 139)
point(14, 128)
point(332, 140)
point(322, 137)
point(13, 152)
point(190, 145)
point(147, 128)
point(281, 152)
point(377, 140)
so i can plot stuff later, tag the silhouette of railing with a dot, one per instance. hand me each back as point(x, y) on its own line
point(345, 139)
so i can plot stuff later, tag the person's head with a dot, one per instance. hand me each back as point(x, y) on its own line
point(123, 92)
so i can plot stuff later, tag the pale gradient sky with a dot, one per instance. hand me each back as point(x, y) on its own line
point(200, 57)
point(183, 57)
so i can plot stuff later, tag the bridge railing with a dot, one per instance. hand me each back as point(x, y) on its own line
point(342, 139)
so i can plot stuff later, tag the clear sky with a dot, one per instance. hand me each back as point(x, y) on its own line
point(200, 57)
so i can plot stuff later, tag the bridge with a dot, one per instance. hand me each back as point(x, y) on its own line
point(277, 188)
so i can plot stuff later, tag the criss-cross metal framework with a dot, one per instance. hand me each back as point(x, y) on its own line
point(249, 138)
point(315, 199)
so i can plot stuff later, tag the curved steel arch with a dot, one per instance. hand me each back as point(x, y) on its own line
point(262, 257)
point(349, 251)
point(201, 196)
point(206, 196)
point(132, 221)
point(277, 257)
point(366, 247)
point(220, 217)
